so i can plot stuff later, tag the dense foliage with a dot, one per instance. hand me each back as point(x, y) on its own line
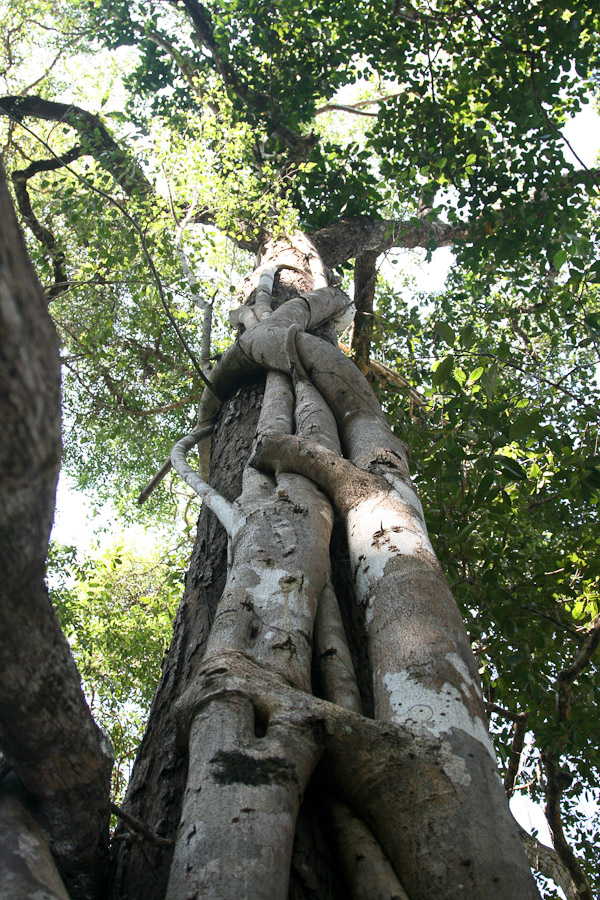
point(241, 119)
point(116, 611)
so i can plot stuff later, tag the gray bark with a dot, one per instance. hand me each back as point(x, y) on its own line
point(27, 868)
point(430, 817)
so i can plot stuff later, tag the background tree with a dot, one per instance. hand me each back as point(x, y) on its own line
point(454, 139)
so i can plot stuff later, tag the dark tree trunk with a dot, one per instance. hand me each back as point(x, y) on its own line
point(47, 734)
point(140, 868)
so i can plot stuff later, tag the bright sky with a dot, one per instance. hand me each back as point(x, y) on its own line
point(583, 133)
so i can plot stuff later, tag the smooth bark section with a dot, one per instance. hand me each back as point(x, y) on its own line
point(402, 784)
point(390, 380)
point(368, 871)
point(27, 869)
point(215, 502)
point(277, 412)
point(46, 730)
point(362, 426)
point(424, 680)
point(247, 773)
point(314, 419)
point(336, 671)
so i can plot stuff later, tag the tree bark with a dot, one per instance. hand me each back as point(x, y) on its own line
point(46, 730)
point(140, 869)
point(27, 868)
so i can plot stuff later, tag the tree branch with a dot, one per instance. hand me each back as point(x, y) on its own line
point(515, 753)
point(556, 782)
point(547, 861)
point(557, 779)
point(183, 65)
point(138, 826)
point(386, 377)
point(167, 466)
point(221, 507)
point(565, 679)
point(339, 107)
point(301, 145)
point(94, 137)
point(20, 177)
point(365, 280)
point(348, 238)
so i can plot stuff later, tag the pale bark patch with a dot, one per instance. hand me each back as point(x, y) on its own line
point(376, 534)
point(420, 708)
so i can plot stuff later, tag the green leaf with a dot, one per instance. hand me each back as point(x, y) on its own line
point(446, 333)
point(559, 259)
point(444, 370)
point(594, 273)
point(490, 381)
point(484, 487)
point(510, 467)
point(467, 336)
point(524, 425)
point(579, 610)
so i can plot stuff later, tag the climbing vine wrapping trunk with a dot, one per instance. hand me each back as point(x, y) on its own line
point(277, 681)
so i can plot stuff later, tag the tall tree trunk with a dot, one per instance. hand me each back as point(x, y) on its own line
point(47, 734)
point(276, 687)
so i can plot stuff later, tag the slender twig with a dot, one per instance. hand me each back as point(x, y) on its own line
point(557, 779)
point(550, 123)
point(45, 73)
point(138, 826)
point(185, 67)
point(360, 104)
point(433, 92)
point(340, 107)
point(505, 713)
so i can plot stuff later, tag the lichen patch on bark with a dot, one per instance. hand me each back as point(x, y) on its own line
point(438, 712)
